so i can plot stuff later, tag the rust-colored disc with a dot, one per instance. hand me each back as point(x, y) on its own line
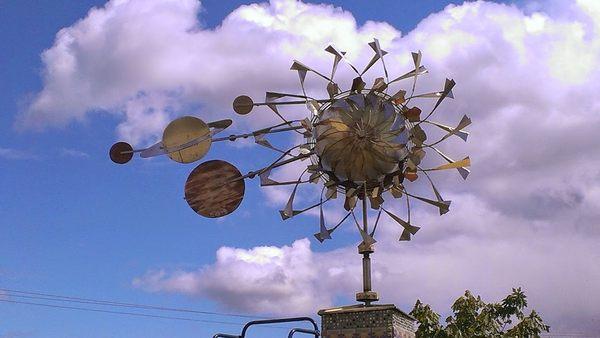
point(214, 189)
point(243, 104)
point(121, 152)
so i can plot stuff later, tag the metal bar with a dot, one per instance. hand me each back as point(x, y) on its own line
point(366, 273)
point(272, 131)
point(284, 162)
point(364, 205)
point(275, 321)
point(289, 102)
point(313, 332)
point(366, 260)
point(133, 151)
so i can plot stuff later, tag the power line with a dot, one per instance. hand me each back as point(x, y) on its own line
point(121, 312)
point(62, 298)
point(70, 299)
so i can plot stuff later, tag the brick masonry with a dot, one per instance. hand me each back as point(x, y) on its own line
point(359, 321)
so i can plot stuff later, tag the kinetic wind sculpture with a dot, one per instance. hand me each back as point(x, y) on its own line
point(361, 142)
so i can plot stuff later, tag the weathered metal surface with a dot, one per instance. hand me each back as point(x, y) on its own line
point(214, 189)
point(243, 105)
point(121, 152)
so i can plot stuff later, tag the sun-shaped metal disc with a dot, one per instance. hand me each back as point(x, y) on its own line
point(361, 137)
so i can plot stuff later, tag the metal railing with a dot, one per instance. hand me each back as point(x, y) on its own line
point(315, 331)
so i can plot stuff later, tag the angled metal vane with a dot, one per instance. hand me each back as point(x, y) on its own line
point(409, 229)
point(339, 56)
point(464, 172)
point(458, 130)
point(357, 142)
point(366, 237)
point(325, 233)
point(412, 74)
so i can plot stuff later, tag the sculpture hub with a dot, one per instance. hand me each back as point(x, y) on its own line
point(360, 137)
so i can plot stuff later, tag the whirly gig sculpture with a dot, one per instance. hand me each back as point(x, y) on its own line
point(360, 143)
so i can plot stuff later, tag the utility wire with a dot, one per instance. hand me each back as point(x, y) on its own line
point(70, 299)
point(121, 312)
point(54, 297)
point(131, 313)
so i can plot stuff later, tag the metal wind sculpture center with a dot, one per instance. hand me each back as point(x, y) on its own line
point(363, 143)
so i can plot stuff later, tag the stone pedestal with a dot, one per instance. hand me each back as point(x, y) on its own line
point(359, 321)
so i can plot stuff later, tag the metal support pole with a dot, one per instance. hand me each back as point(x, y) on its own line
point(366, 260)
point(366, 249)
point(366, 272)
point(364, 205)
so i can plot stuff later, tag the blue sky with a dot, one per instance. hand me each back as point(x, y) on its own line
point(74, 223)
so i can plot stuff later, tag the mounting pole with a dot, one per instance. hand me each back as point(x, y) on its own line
point(365, 249)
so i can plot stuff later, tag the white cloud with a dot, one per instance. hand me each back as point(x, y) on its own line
point(528, 213)
point(16, 154)
point(261, 279)
point(67, 152)
point(151, 60)
point(556, 271)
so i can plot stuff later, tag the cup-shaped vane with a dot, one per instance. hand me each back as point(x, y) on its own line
point(187, 139)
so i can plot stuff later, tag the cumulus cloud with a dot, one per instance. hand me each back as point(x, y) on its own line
point(294, 280)
point(151, 60)
point(261, 279)
point(527, 215)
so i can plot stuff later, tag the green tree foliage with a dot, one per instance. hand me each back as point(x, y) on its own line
point(474, 318)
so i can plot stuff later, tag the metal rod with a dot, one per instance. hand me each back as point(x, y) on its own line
point(364, 205)
point(256, 133)
point(281, 320)
point(366, 273)
point(307, 331)
point(315, 330)
point(277, 164)
point(289, 102)
point(366, 259)
point(132, 151)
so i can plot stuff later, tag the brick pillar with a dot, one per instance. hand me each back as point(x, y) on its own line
point(359, 321)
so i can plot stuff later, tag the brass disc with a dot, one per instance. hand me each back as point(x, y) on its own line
point(214, 189)
point(358, 142)
point(121, 152)
point(243, 104)
point(183, 130)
